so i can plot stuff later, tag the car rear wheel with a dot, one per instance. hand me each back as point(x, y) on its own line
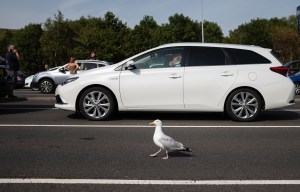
point(46, 86)
point(243, 105)
point(297, 89)
point(97, 104)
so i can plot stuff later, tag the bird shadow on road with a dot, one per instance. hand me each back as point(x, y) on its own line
point(180, 154)
point(175, 154)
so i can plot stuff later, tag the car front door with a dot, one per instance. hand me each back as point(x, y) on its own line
point(151, 83)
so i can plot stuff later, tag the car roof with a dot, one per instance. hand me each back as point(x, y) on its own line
point(211, 45)
point(92, 61)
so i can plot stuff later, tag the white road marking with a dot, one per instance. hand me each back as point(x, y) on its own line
point(146, 182)
point(31, 108)
point(146, 126)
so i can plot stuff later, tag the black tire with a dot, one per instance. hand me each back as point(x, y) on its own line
point(47, 86)
point(297, 88)
point(243, 105)
point(97, 104)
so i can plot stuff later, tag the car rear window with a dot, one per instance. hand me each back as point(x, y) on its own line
point(206, 56)
point(241, 56)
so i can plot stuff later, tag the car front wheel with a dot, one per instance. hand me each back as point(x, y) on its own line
point(46, 86)
point(97, 104)
point(243, 105)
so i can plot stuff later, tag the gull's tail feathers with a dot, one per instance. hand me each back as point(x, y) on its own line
point(186, 149)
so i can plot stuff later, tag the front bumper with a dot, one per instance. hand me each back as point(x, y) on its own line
point(34, 85)
point(65, 97)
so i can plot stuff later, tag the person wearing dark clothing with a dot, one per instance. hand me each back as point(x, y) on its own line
point(93, 56)
point(12, 59)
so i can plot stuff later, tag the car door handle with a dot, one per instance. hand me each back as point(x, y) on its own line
point(174, 76)
point(226, 74)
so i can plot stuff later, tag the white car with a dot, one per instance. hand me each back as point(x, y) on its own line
point(46, 81)
point(239, 80)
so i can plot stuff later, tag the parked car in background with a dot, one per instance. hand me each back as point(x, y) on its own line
point(294, 67)
point(238, 80)
point(21, 76)
point(28, 81)
point(296, 80)
point(47, 81)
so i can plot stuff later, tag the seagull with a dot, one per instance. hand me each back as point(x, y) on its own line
point(164, 141)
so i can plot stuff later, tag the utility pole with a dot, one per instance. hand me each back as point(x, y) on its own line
point(202, 22)
point(298, 19)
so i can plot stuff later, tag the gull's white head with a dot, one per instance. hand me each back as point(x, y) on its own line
point(157, 122)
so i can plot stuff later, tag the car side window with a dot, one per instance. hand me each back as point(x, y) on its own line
point(241, 56)
point(206, 56)
point(171, 57)
point(87, 66)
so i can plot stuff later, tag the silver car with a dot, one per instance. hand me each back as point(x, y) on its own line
point(47, 81)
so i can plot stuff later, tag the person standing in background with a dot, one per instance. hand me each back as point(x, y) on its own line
point(93, 56)
point(72, 66)
point(12, 59)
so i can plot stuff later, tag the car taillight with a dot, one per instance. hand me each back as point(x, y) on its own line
point(280, 69)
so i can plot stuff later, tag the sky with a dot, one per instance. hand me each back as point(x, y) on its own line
point(228, 14)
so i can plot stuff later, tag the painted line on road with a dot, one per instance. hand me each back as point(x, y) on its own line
point(54, 108)
point(146, 126)
point(31, 108)
point(147, 182)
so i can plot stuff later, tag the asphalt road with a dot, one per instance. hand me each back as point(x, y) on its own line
point(46, 149)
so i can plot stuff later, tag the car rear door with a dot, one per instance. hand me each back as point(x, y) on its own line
point(207, 78)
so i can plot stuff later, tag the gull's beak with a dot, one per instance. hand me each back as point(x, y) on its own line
point(152, 123)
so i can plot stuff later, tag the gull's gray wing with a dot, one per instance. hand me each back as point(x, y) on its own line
point(170, 143)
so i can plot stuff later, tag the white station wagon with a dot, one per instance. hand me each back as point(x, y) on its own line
point(236, 79)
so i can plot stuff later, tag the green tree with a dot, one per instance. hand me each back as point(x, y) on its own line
point(286, 43)
point(142, 36)
point(183, 29)
point(212, 32)
point(5, 41)
point(27, 42)
point(107, 36)
point(257, 32)
point(57, 40)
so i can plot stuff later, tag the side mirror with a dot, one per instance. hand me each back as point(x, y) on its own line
point(130, 65)
point(62, 70)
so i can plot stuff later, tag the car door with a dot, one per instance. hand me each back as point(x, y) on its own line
point(151, 83)
point(207, 78)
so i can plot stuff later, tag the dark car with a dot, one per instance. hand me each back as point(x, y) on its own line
point(21, 76)
point(294, 67)
point(296, 79)
point(6, 87)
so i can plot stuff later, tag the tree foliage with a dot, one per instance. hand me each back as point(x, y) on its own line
point(280, 35)
point(29, 47)
point(58, 39)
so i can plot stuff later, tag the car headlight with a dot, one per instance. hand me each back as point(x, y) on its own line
point(69, 80)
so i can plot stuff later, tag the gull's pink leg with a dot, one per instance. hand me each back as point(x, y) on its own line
point(154, 155)
point(167, 156)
